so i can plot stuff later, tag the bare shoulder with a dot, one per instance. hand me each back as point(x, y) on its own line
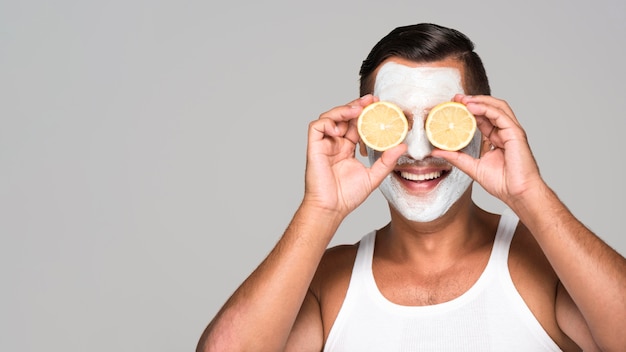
point(335, 267)
point(531, 272)
point(331, 282)
point(525, 252)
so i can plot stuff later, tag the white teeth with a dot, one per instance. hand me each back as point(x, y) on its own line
point(421, 177)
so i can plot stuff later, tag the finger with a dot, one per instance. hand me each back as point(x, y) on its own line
point(352, 133)
point(485, 99)
point(488, 116)
point(384, 165)
point(493, 103)
point(365, 100)
point(487, 111)
point(485, 127)
point(324, 127)
point(348, 111)
point(462, 161)
point(318, 129)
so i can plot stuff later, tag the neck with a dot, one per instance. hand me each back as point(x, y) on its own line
point(464, 229)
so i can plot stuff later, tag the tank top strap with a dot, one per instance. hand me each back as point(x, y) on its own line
point(504, 236)
point(365, 253)
point(500, 252)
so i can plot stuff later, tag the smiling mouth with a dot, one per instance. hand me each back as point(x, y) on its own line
point(421, 177)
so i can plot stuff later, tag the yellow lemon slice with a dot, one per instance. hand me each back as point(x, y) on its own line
point(450, 126)
point(382, 125)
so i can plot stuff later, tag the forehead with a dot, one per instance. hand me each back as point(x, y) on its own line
point(394, 75)
point(417, 85)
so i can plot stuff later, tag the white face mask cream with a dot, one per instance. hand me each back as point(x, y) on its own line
point(416, 90)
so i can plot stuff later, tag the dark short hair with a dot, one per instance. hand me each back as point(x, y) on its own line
point(427, 42)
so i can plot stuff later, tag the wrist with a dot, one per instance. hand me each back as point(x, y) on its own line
point(316, 213)
point(538, 207)
point(317, 222)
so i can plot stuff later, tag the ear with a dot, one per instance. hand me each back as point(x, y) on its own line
point(362, 148)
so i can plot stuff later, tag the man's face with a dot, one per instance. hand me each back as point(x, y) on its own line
point(421, 188)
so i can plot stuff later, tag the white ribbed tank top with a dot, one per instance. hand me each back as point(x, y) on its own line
point(490, 316)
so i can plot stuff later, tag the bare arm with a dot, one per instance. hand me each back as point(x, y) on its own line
point(261, 313)
point(591, 272)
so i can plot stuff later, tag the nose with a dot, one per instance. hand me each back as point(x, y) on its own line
point(418, 144)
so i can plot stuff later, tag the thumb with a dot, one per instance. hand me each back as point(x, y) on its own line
point(460, 160)
point(386, 163)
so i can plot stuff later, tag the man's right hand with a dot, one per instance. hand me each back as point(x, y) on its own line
point(335, 179)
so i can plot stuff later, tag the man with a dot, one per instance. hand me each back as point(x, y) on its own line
point(443, 275)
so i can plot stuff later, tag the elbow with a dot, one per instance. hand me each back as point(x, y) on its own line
point(203, 345)
point(210, 342)
point(209, 345)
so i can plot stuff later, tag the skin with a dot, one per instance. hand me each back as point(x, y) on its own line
point(417, 90)
point(571, 280)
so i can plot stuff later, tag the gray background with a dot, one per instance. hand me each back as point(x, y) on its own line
point(152, 152)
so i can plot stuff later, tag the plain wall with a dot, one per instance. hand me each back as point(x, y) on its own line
point(152, 152)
